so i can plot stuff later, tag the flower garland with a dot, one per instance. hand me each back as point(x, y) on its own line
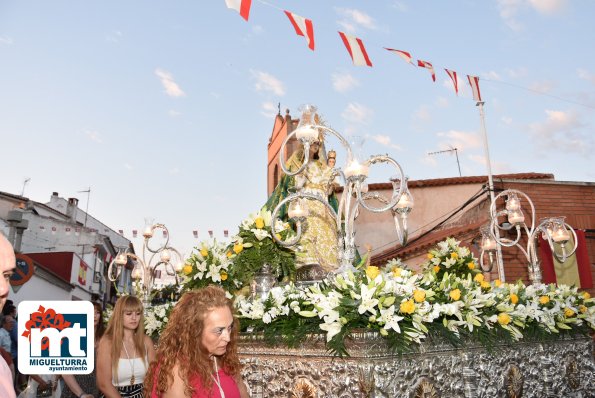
point(406, 307)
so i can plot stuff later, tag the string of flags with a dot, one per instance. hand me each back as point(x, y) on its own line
point(67, 230)
point(355, 46)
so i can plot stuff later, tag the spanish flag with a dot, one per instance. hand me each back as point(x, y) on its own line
point(574, 271)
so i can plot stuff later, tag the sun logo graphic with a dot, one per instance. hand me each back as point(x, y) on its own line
point(56, 337)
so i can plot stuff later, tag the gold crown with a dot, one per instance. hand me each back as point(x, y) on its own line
point(332, 154)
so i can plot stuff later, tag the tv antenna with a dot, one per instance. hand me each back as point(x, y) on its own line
point(88, 192)
point(452, 149)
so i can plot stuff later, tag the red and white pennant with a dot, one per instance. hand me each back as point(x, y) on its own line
point(303, 27)
point(241, 6)
point(356, 49)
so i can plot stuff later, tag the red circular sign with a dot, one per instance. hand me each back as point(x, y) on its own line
point(23, 271)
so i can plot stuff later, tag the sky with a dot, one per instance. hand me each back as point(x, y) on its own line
point(165, 109)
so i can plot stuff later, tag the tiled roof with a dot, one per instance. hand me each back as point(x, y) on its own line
point(424, 243)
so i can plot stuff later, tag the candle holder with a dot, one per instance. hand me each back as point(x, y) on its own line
point(144, 269)
point(354, 177)
point(554, 230)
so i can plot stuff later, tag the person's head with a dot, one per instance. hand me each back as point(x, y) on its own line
point(98, 320)
point(332, 158)
point(7, 266)
point(200, 327)
point(7, 322)
point(314, 149)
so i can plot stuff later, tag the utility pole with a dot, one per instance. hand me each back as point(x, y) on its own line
point(449, 150)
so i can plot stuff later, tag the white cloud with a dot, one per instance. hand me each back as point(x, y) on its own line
point(269, 110)
point(173, 113)
point(386, 141)
point(443, 102)
point(114, 36)
point(353, 18)
point(94, 136)
point(422, 114)
point(586, 75)
point(127, 166)
point(174, 171)
point(510, 9)
point(480, 160)
point(562, 132)
point(267, 82)
point(517, 73)
point(492, 75)
point(548, 7)
point(6, 40)
point(171, 87)
point(506, 120)
point(400, 6)
point(542, 87)
point(343, 81)
point(461, 140)
point(357, 113)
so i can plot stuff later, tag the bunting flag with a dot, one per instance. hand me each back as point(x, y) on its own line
point(134, 233)
point(164, 233)
point(356, 49)
point(453, 77)
point(225, 233)
point(303, 27)
point(474, 82)
point(121, 231)
point(241, 6)
point(428, 66)
point(195, 233)
point(67, 230)
point(403, 54)
point(211, 234)
point(575, 270)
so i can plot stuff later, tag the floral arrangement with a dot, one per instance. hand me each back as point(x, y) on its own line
point(156, 318)
point(406, 307)
point(210, 263)
point(254, 245)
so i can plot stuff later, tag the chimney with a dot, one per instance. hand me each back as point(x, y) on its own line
point(71, 209)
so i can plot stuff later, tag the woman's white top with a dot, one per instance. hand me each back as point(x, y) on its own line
point(125, 371)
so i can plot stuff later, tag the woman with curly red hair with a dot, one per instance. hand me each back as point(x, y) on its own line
point(197, 354)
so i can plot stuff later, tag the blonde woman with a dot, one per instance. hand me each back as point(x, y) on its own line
point(124, 352)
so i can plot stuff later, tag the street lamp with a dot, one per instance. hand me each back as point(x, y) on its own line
point(144, 271)
point(554, 230)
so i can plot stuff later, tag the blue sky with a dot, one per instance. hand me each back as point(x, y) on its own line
point(165, 109)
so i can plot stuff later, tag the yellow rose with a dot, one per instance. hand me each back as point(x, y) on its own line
point(187, 269)
point(430, 256)
point(514, 298)
point(586, 295)
point(436, 269)
point(229, 254)
point(485, 285)
point(503, 318)
point(223, 275)
point(568, 312)
point(397, 272)
point(471, 265)
point(372, 271)
point(544, 300)
point(204, 252)
point(259, 223)
point(497, 282)
point(407, 307)
point(454, 255)
point(419, 296)
point(455, 294)
point(478, 278)
point(237, 248)
point(278, 236)
point(582, 309)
